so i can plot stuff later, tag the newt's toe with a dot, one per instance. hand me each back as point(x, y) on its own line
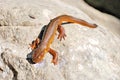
point(54, 62)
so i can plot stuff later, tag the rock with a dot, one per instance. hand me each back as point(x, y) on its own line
point(86, 54)
point(112, 7)
point(21, 70)
point(104, 19)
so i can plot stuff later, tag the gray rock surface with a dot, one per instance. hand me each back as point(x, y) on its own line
point(106, 20)
point(86, 54)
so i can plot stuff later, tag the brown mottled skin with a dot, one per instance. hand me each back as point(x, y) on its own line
point(41, 47)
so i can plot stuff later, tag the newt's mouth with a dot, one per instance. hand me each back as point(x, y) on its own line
point(37, 60)
point(34, 58)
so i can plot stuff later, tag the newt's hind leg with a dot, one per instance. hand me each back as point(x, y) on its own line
point(55, 56)
point(35, 43)
point(61, 31)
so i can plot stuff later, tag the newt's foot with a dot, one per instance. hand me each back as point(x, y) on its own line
point(35, 43)
point(55, 61)
point(61, 31)
point(61, 35)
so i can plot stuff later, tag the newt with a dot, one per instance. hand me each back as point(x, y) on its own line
point(41, 47)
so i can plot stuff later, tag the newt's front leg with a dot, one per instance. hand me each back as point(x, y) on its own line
point(35, 43)
point(55, 56)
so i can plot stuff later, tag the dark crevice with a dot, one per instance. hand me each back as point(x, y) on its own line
point(1, 69)
point(111, 7)
point(11, 67)
point(15, 73)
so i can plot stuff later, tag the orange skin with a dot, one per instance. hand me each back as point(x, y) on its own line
point(41, 47)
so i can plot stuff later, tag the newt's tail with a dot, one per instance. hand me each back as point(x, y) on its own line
point(70, 19)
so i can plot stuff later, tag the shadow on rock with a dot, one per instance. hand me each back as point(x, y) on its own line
point(29, 55)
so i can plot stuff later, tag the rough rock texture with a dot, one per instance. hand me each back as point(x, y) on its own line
point(86, 54)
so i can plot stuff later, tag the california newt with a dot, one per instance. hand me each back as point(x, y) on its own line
point(41, 47)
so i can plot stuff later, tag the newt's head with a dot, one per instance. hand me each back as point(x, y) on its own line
point(38, 55)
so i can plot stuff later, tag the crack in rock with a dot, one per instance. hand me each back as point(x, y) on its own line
point(19, 67)
point(11, 67)
point(1, 69)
